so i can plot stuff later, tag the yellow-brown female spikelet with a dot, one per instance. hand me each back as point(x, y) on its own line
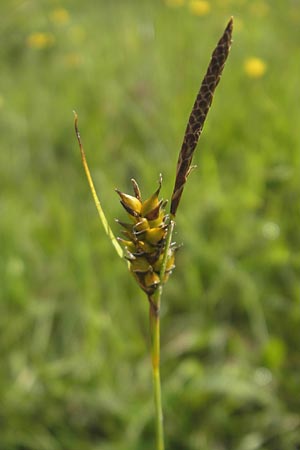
point(199, 113)
point(144, 238)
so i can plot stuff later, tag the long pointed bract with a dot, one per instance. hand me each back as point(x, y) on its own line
point(102, 216)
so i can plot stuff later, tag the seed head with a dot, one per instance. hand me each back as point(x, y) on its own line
point(144, 239)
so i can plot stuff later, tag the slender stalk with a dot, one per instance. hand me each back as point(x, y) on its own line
point(155, 357)
point(154, 314)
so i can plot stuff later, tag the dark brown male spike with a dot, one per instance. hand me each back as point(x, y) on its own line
point(199, 113)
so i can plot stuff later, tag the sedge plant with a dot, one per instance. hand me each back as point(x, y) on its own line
point(146, 242)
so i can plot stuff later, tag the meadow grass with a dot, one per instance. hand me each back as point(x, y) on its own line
point(74, 330)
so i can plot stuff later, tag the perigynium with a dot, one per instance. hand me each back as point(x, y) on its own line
point(146, 242)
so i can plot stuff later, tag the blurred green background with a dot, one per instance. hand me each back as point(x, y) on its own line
point(75, 370)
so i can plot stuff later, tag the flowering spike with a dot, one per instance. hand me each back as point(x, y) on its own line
point(127, 244)
point(152, 202)
point(145, 239)
point(141, 226)
point(127, 226)
point(152, 279)
point(130, 203)
point(199, 113)
point(136, 189)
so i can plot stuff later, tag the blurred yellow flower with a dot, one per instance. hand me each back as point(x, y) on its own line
point(174, 3)
point(60, 16)
point(73, 59)
point(199, 7)
point(255, 67)
point(40, 40)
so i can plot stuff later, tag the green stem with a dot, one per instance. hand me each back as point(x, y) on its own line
point(155, 357)
point(154, 302)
